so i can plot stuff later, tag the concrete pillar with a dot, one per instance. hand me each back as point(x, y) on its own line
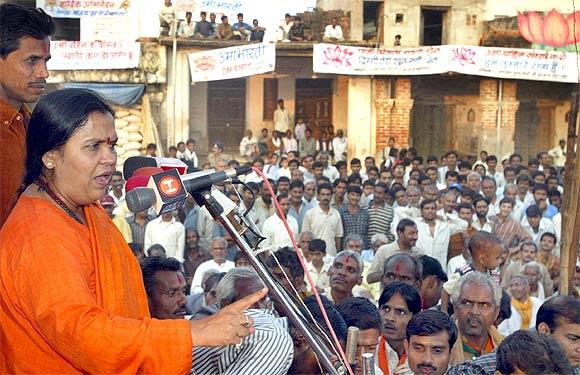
point(198, 118)
point(359, 130)
point(503, 143)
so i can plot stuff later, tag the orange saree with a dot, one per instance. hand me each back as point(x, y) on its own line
point(73, 301)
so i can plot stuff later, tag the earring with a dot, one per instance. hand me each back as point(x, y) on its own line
point(49, 165)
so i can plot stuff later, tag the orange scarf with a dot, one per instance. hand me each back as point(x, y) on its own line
point(119, 288)
point(383, 358)
point(525, 311)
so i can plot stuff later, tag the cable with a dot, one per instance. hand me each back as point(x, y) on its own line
point(302, 262)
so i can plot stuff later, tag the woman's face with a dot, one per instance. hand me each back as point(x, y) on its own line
point(83, 167)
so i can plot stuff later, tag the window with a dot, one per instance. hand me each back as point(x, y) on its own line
point(432, 26)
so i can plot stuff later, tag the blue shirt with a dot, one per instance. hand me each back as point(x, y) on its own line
point(550, 212)
point(236, 26)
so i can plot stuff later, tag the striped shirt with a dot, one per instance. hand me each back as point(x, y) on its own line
point(380, 219)
point(137, 230)
point(510, 232)
point(269, 350)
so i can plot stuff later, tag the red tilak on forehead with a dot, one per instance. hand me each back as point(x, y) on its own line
point(180, 278)
point(397, 267)
point(109, 141)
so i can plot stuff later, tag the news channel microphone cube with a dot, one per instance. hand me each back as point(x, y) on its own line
point(169, 191)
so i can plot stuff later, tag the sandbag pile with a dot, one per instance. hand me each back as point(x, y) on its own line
point(129, 127)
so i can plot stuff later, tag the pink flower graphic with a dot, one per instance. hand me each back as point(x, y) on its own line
point(464, 56)
point(337, 56)
point(204, 63)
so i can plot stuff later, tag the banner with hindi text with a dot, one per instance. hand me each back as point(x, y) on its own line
point(73, 55)
point(508, 63)
point(232, 62)
point(85, 8)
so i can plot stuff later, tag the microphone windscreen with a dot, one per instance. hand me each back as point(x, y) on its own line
point(147, 171)
point(136, 182)
point(140, 199)
point(135, 162)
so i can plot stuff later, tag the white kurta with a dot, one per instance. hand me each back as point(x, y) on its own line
point(437, 245)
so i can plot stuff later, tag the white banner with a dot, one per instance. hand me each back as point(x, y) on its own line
point(232, 62)
point(509, 63)
point(340, 59)
point(84, 8)
point(70, 55)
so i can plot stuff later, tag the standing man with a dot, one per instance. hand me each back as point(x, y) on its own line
point(324, 221)
point(274, 229)
point(559, 154)
point(281, 118)
point(380, 214)
point(399, 302)
point(298, 207)
point(435, 231)
point(339, 145)
point(307, 145)
point(407, 238)
point(24, 51)
point(355, 220)
point(430, 336)
point(167, 232)
point(476, 300)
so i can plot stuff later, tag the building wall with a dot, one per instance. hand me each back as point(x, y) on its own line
point(355, 7)
point(456, 28)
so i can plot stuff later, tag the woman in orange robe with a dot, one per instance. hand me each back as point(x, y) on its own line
point(72, 298)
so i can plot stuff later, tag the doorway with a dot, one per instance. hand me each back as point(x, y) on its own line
point(226, 112)
point(314, 103)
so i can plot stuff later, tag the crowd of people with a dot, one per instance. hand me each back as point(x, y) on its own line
point(291, 29)
point(444, 266)
point(465, 246)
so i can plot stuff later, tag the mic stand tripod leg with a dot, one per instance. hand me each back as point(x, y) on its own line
point(204, 198)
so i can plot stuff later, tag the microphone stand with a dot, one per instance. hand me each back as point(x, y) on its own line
point(235, 229)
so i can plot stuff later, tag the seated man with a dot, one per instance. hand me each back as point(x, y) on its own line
point(525, 352)
point(431, 335)
point(361, 313)
point(476, 302)
point(297, 32)
point(257, 34)
point(224, 30)
point(241, 29)
point(267, 351)
point(559, 318)
point(333, 32)
point(399, 302)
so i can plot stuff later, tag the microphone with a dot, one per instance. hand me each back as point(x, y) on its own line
point(167, 191)
point(352, 344)
point(136, 162)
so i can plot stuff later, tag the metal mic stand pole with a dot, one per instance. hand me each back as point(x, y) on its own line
point(204, 198)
